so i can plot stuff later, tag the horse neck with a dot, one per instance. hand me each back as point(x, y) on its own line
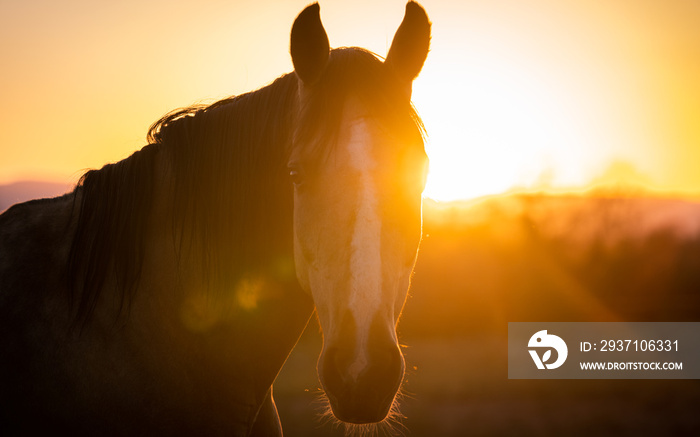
point(195, 340)
point(237, 289)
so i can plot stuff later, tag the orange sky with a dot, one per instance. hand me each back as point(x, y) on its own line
point(513, 93)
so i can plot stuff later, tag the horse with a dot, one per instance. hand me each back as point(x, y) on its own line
point(163, 294)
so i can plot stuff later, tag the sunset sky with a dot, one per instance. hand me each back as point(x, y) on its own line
point(544, 93)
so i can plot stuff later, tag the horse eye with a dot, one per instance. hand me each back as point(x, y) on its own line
point(296, 175)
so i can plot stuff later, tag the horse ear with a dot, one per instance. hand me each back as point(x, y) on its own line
point(309, 45)
point(411, 43)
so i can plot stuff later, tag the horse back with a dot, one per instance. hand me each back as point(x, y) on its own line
point(35, 240)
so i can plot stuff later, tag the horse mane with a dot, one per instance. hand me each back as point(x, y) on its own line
point(232, 201)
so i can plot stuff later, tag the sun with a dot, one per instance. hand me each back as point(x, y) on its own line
point(495, 124)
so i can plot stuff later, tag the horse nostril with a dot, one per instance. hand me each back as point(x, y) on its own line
point(387, 369)
point(331, 371)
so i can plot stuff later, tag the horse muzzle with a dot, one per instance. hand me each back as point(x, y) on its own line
point(361, 387)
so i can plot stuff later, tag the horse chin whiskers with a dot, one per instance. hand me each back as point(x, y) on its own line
point(391, 426)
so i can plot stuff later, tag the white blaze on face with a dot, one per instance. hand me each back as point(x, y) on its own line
point(365, 257)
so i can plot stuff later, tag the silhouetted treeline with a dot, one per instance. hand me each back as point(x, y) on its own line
point(558, 258)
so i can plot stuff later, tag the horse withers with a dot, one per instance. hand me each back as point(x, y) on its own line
point(164, 293)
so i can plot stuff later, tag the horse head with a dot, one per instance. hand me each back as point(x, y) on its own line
point(358, 173)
